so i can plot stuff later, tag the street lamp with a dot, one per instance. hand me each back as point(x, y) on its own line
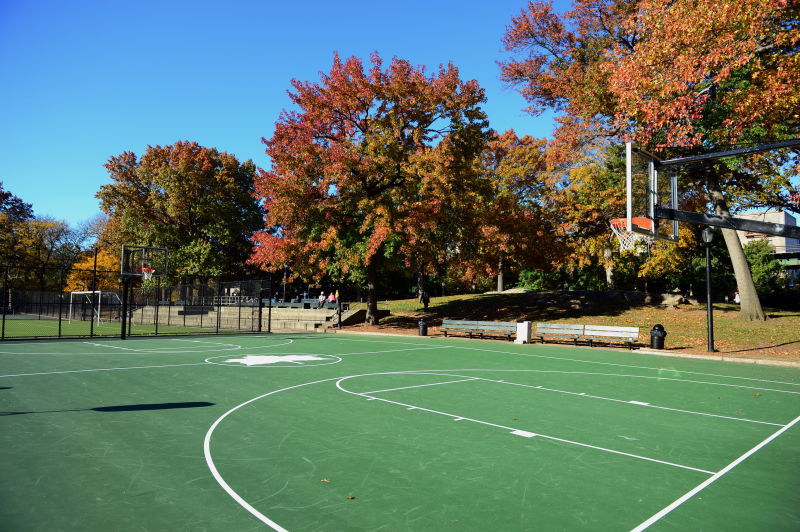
point(708, 237)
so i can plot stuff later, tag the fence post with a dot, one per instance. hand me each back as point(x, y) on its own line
point(157, 303)
point(60, 299)
point(219, 302)
point(5, 301)
point(99, 296)
point(269, 311)
point(124, 313)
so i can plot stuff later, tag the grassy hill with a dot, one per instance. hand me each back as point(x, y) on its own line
point(778, 338)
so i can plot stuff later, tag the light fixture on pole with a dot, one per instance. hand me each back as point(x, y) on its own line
point(708, 237)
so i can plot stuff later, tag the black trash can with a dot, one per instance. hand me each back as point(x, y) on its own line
point(423, 328)
point(657, 335)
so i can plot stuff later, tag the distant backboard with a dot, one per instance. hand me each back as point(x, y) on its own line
point(648, 187)
point(143, 261)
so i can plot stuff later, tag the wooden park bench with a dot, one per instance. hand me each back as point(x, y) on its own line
point(589, 333)
point(558, 330)
point(610, 333)
point(481, 328)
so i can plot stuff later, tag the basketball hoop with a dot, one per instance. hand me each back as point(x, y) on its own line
point(147, 273)
point(628, 240)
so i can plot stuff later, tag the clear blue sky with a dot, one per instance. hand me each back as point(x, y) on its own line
point(86, 80)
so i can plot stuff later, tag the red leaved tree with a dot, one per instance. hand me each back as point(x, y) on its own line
point(374, 171)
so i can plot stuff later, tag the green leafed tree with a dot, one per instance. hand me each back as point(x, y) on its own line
point(13, 212)
point(375, 171)
point(769, 275)
point(195, 201)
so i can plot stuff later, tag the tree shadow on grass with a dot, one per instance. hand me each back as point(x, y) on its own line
point(546, 305)
point(120, 408)
point(759, 348)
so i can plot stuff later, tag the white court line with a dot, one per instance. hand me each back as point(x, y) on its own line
point(716, 476)
point(624, 365)
point(188, 350)
point(236, 346)
point(512, 429)
point(100, 369)
point(393, 351)
point(111, 346)
point(215, 472)
point(579, 360)
point(689, 381)
point(423, 385)
point(638, 403)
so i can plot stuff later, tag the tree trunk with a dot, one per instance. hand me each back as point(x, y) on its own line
point(500, 284)
point(750, 309)
point(372, 293)
point(608, 266)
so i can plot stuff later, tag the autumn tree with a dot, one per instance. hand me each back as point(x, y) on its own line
point(520, 222)
point(193, 200)
point(375, 170)
point(42, 247)
point(91, 271)
point(678, 74)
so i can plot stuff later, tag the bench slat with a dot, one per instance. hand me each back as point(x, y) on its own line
point(548, 326)
point(611, 334)
point(491, 328)
point(612, 328)
point(575, 332)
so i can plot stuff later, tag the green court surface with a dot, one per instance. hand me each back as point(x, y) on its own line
point(346, 432)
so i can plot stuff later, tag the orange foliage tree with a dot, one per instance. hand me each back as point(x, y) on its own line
point(669, 74)
point(375, 170)
point(82, 275)
point(520, 222)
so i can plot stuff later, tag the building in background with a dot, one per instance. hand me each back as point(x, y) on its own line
point(787, 250)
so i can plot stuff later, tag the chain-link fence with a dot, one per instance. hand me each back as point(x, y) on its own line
point(69, 303)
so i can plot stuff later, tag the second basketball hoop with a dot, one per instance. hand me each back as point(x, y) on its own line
point(143, 261)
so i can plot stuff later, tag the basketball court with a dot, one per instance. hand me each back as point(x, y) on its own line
point(355, 432)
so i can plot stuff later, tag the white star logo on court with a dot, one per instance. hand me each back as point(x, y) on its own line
point(259, 360)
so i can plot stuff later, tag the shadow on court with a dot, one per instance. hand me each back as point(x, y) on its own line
point(120, 408)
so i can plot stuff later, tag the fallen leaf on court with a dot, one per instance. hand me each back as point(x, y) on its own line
point(350, 497)
point(756, 394)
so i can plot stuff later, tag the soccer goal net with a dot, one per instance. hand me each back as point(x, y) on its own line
point(99, 305)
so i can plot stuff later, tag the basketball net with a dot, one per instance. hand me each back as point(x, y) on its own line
point(147, 273)
point(628, 240)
